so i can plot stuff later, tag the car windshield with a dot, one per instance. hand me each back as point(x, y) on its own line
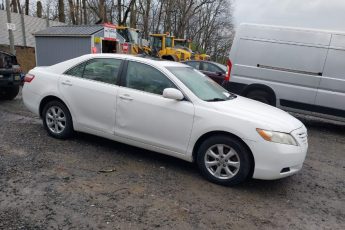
point(202, 86)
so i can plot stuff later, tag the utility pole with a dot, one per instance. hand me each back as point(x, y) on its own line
point(23, 26)
point(48, 9)
point(10, 32)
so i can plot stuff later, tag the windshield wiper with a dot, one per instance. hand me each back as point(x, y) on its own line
point(232, 96)
point(215, 99)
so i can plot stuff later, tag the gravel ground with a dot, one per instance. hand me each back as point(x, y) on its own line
point(52, 184)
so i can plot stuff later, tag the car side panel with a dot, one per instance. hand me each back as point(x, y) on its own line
point(44, 84)
point(154, 120)
point(93, 103)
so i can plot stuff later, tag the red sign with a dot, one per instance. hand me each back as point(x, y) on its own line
point(94, 50)
point(109, 32)
point(125, 47)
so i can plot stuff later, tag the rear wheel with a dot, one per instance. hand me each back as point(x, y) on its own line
point(57, 120)
point(262, 96)
point(9, 93)
point(224, 160)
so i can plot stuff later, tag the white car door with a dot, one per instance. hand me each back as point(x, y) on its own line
point(90, 91)
point(144, 115)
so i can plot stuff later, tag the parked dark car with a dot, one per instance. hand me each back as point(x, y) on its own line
point(214, 70)
point(10, 76)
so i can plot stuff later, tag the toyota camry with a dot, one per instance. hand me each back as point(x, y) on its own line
point(170, 108)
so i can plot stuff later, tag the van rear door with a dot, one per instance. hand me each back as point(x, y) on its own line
point(330, 99)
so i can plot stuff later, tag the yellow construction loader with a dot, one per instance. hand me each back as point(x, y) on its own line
point(187, 44)
point(162, 46)
point(134, 38)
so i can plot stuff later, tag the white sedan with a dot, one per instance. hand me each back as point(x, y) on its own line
point(170, 108)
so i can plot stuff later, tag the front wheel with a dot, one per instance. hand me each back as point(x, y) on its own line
point(224, 160)
point(57, 120)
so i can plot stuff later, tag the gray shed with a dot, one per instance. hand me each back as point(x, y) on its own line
point(59, 43)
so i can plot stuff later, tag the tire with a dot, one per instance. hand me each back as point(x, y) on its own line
point(233, 151)
point(262, 96)
point(57, 120)
point(9, 93)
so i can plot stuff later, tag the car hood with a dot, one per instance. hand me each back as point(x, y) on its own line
point(261, 115)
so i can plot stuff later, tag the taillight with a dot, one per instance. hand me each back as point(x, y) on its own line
point(229, 65)
point(28, 78)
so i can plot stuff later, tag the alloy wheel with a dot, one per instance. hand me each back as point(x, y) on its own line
point(222, 161)
point(56, 119)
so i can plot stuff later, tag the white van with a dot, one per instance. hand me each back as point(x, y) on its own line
point(298, 70)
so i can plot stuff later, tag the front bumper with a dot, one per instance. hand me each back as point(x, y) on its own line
point(275, 161)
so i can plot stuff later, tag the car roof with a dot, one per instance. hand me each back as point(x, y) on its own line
point(147, 60)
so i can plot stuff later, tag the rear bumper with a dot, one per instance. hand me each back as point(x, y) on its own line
point(8, 83)
point(275, 161)
point(31, 100)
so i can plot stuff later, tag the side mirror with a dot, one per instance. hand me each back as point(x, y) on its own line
point(172, 93)
point(219, 73)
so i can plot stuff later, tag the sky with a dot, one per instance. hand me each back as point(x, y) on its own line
point(318, 14)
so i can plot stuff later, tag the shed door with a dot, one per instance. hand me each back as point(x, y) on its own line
point(108, 46)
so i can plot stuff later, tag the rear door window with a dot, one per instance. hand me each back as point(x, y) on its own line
point(101, 69)
point(76, 71)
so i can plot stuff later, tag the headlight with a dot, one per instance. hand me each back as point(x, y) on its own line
point(277, 137)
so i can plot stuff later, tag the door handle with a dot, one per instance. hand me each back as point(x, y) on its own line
point(126, 97)
point(68, 83)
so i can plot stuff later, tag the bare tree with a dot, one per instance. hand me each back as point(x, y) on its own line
point(145, 7)
point(102, 11)
point(14, 6)
point(133, 16)
point(19, 7)
point(61, 9)
point(71, 11)
point(27, 7)
point(84, 12)
point(39, 9)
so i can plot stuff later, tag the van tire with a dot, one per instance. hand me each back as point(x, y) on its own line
point(262, 96)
